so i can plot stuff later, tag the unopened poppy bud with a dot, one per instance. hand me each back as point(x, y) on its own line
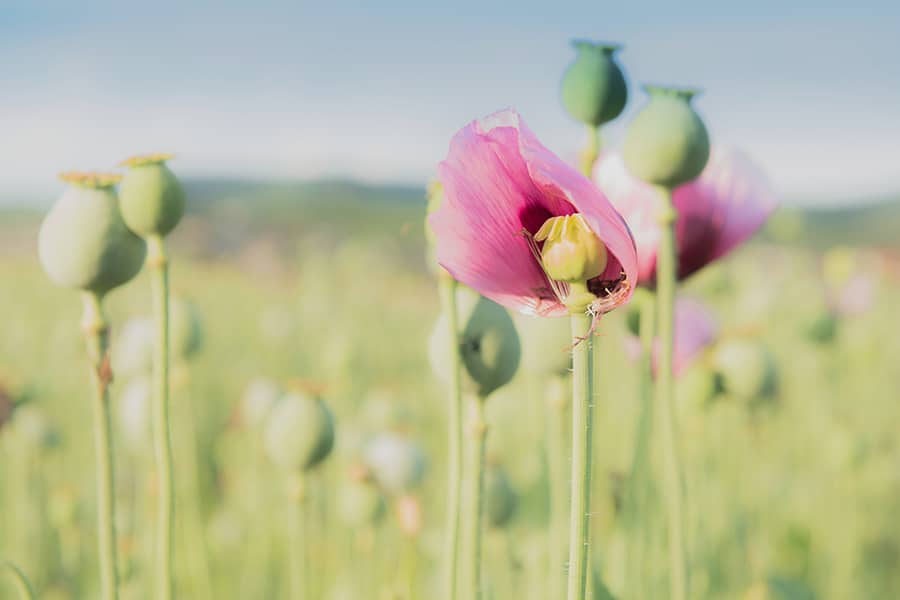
point(397, 463)
point(667, 143)
point(299, 432)
point(152, 197)
point(185, 329)
point(571, 252)
point(488, 344)
point(746, 368)
point(593, 88)
point(83, 242)
point(500, 499)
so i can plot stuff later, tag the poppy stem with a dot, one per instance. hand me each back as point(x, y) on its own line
point(591, 152)
point(477, 432)
point(162, 434)
point(558, 407)
point(448, 287)
point(96, 332)
point(23, 586)
point(582, 409)
point(296, 507)
point(637, 480)
point(666, 273)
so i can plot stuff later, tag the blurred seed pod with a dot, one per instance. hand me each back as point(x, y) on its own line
point(134, 414)
point(500, 499)
point(360, 503)
point(185, 329)
point(397, 463)
point(299, 432)
point(667, 143)
point(821, 327)
point(259, 397)
point(489, 344)
point(152, 197)
point(32, 427)
point(546, 345)
point(594, 90)
point(133, 348)
point(746, 367)
point(83, 242)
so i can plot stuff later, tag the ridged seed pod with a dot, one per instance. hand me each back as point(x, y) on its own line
point(152, 197)
point(397, 462)
point(299, 432)
point(594, 90)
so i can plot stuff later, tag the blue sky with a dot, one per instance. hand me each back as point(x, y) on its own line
point(374, 90)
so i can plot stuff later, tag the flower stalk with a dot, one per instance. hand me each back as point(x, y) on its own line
point(476, 430)
point(558, 407)
point(582, 408)
point(296, 508)
point(96, 332)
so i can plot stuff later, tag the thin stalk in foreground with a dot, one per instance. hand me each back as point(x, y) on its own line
point(158, 263)
point(96, 332)
point(454, 441)
point(665, 286)
point(635, 502)
point(474, 473)
point(558, 406)
point(296, 531)
point(582, 408)
point(23, 586)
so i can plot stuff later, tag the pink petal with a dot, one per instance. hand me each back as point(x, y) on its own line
point(727, 204)
point(498, 180)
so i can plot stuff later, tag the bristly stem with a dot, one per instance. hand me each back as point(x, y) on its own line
point(158, 263)
point(582, 409)
point(636, 490)
point(96, 332)
point(558, 407)
point(454, 441)
point(474, 473)
point(296, 494)
point(665, 285)
point(591, 152)
point(23, 586)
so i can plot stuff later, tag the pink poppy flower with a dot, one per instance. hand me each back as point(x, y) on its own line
point(500, 186)
point(718, 211)
point(695, 330)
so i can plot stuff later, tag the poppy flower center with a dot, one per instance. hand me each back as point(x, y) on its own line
point(571, 251)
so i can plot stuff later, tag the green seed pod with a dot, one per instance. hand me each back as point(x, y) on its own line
point(360, 503)
point(500, 499)
point(593, 88)
point(746, 368)
point(397, 462)
point(667, 143)
point(152, 197)
point(489, 344)
point(83, 242)
point(185, 329)
point(299, 432)
point(697, 386)
point(547, 345)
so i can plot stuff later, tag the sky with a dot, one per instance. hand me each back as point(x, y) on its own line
point(375, 90)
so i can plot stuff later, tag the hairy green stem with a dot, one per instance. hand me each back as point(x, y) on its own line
point(636, 490)
point(665, 285)
point(582, 409)
point(454, 441)
point(162, 434)
point(474, 474)
point(96, 332)
point(558, 408)
point(297, 566)
point(23, 586)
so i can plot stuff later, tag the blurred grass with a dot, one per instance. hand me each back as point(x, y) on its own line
point(328, 283)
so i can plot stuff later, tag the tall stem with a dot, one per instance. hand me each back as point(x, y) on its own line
point(591, 152)
point(582, 408)
point(296, 532)
point(158, 263)
point(665, 285)
point(23, 586)
point(477, 432)
point(96, 332)
point(558, 407)
point(454, 441)
point(637, 480)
